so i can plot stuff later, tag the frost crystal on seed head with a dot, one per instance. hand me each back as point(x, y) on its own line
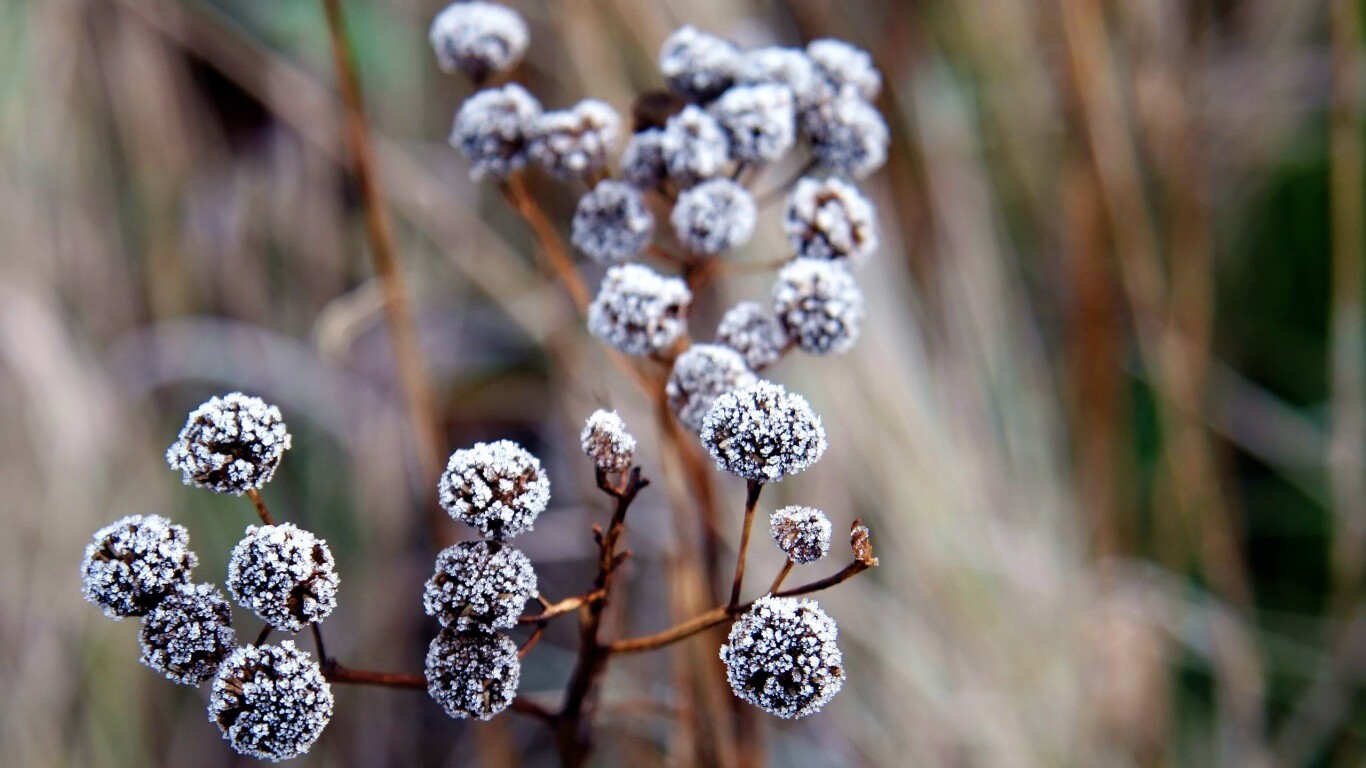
point(760, 120)
point(830, 220)
point(786, 66)
point(847, 135)
point(571, 142)
point(802, 533)
point(270, 701)
point(639, 311)
point(846, 67)
point(642, 162)
point(284, 574)
point(819, 305)
point(752, 331)
point(473, 675)
point(762, 432)
point(611, 223)
point(231, 444)
point(492, 129)
point(697, 65)
point(605, 440)
point(782, 657)
point(478, 38)
point(498, 488)
point(133, 563)
point(700, 375)
point(714, 216)
point(479, 586)
point(695, 146)
point(188, 634)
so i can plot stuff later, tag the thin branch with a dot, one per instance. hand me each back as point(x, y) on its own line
point(265, 633)
point(752, 491)
point(260, 503)
point(531, 641)
point(318, 642)
point(782, 575)
point(336, 673)
point(515, 192)
point(562, 607)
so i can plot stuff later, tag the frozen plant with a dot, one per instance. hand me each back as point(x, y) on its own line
point(188, 634)
point(473, 675)
point(477, 38)
point(611, 223)
point(270, 701)
point(751, 330)
point(283, 574)
point(639, 311)
point(782, 657)
point(763, 433)
point(819, 305)
point(642, 162)
point(497, 488)
point(230, 444)
point(846, 67)
point(605, 440)
point(847, 134)
point(694, 146)
point(133, 563)
point(479, 586)
point(713, 217)
point(700, 375)
point(572, 142)
point(697, 65)
point(802, 533)
point(493, 130)
point(760, 121)
point(790, 67)
point(830, 220)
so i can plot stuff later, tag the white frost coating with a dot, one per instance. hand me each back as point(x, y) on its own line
point(188, 634)
point(847, 135)
point(230, 444)
point(642, 162)
point(498, 488)
point(479, 586)
point(831, 220)
point(695, 146)
point(819, 305)
point(478, 38)
point(786, 66)
point(846, 67)
point(604, 439)
point(571, 142)
point(133, 563)
point(473, 675)
point(698, 65)
point(802, 533)
point(700, 375)
point(759, 120)
point(611, 223)
point(492, 130)
point(284, 574)
point(763, 433)
point(270, 701)
point(751, 330)
point(782, 657)
point(714, 216)
point(639, 311)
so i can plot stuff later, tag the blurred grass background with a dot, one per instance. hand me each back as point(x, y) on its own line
point(1105, 421)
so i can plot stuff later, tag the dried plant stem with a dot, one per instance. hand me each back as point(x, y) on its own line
point(752, 491)
point(515, 192)
point(261, 510)
point(336, 673)
point(782, 576)
point(263, 635)
point(551, 610)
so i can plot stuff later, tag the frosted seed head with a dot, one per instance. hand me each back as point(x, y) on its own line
point(605, 440)
point(751, 330)
point(479, 586)
point(473, 674)
point(847, 135)
point(819, 305)
point(846, 67)
point(571, 142)
point(759, 120)
point(231, 444)
point(698, 65)
point(611, 223)
point(642, 162)
point(285, 575)
point(830, 220)
point(786, 66)
point(701, 374)
point(714, 216)
point(270, 701)
point(133, 563)
point(188, 634)
point(492, 129)
point(762, 432)
point(802, 533)
point(695, 146)
point(497, 488)
point(638, 311)
point(477, 38)
point(782, 657)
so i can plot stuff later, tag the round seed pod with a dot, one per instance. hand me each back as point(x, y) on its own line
point(830, 220)
point(802, 533)
point(270, 701)
point(611, 223)
point(284, 574)
point(638, 311)
point(751, 330)
point(847, 135)
point(230, 444)
point(762, 432)
point(572, 142)
point(473, 674)
point(493, 128)
point(694, 146)
point(642, 162)
point(819, 305)
point(701, 374)
point(759, 120)
point(714, 216)
point(697, 65)
point(782, 657)
point(497, 488)
point(188, 634)
point(605, 440)
point(846, 67)
point(477, 38)
point(133, 563)
point(786, 66)
point(479, 586)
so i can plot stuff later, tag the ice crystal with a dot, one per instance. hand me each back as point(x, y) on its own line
point(478, 38)
point(611, 223)
point(271, 701)
point(188, 634)
point(498, 488)
point(605, 440)
point(695, 146)
point(759, 120)
point(714, 216)
point(133, 563)
point(762, 432)
point(846, 67)
point(697, 65)
point(782, 657)
point(802, 533)
point(786, 66)
point(493, 128)
point(571, 142)
point(642, 162)
point(639, 311)
point(231, 444)
point(701, 374)
point(751, 330)
point(831, 220)
point(479, 586)
point(847, 134)
point(473, 674)
point(819, 305)
point(284, 574)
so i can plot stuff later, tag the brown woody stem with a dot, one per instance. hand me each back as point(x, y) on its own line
point(782, 575)
point(752, 491)
point(260, 503)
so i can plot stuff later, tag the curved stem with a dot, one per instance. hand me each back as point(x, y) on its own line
point(260, 503)
point(515, 192)
point(562, 607)
point(782, 575)
point(752, 491)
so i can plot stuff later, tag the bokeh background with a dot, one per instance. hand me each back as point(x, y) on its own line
point(1105, 420)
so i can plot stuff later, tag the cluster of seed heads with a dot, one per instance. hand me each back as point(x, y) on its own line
point(781, 657)
point(479, 586)
point(230, 444)
point(604, 439)
point(802, 533)
point(497, 488)
point(285, 575)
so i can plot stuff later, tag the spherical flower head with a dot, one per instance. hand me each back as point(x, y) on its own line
point(802, 533)
point(698, 65)
point(701, 374)
point(497, 488)
point(751, 330)
point(830, 220)
point(611, 223)
point(133, 563)
point(492, 129)
point(285, 575)
point(479, 586)
point(759, 120)
point(786, 66)
point(639, 311)
point(478, 38)
point(642, 162)
point(695, 146)
point(473, 674)
point(605, 440)
point(782, 657)
point(571, 142)
point(763, 433)
point(188, 634)
point(714, 216)
point(819, 305)
point(847, 134)
point(230, 444)
point(271, 701)
point(846, 67)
